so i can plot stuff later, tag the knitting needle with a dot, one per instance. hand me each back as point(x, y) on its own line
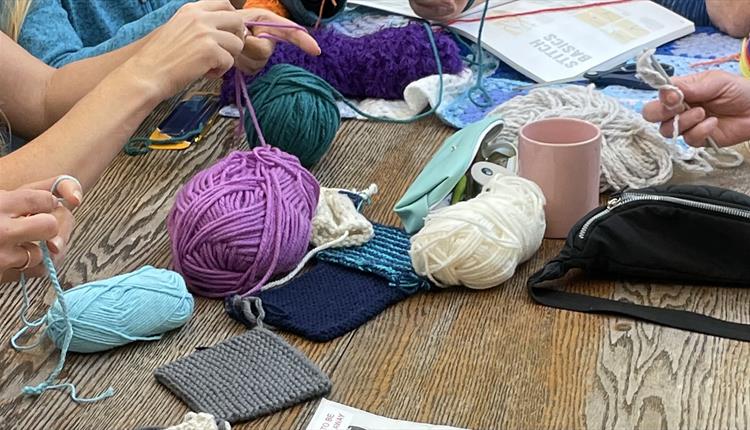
point(657, 66)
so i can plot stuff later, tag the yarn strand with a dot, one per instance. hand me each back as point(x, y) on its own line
point(650, 71)
point(47, 384)
point(479, 85)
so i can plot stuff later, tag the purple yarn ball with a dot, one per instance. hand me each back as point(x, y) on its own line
point(379, 65)
point(242, 221)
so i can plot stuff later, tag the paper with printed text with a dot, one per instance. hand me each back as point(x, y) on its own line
point(335, 416)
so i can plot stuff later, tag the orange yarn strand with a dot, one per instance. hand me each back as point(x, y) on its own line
point(274, 6)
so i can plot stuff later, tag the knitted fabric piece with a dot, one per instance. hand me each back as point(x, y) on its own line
point(337, 215)
point(244, 377)
point(386, 255)
point(360, 67)
point(328, 301)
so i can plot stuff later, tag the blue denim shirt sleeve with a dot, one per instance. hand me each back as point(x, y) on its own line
point(48, 34)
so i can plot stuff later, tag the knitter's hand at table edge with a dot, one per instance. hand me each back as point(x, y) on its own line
point(207, 38)
point(720, 108)
point(440, 10)
point(32, 214)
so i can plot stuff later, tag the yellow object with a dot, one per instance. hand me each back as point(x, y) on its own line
point(274, 6)
point(744, 60)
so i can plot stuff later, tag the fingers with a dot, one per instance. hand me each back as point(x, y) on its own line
point(68, 189)
point(24, 202)
point(230, 22)
point(705, 86)
point(65, 222)
point(29, 229)
point(211, 5)
point(255, 54)
point(223, 61)
point(249, 66)
point(230, 43)
point(294, 34)
point(687, 121)
point(698, 135)
point(21, 257)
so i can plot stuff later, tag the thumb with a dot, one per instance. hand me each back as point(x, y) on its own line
point(702, 87)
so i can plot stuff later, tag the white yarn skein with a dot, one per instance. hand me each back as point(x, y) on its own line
point(480, 242)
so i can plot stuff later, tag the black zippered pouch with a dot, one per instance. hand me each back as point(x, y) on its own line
point(673, 234)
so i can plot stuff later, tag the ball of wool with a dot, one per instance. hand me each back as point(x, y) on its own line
point(480, 242)
point(361, 67)
point(274, 6)
point(242, 221)
point(126, 308)
point(296, 110)
point(307, 12)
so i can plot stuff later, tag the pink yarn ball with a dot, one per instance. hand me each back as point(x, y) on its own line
point(242, 221)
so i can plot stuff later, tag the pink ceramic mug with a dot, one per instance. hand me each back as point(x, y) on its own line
point(563, 157)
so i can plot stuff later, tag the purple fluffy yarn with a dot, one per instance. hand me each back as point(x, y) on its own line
point(379, 65)
point(242, 221)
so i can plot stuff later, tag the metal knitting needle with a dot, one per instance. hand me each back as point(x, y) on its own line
point(657, 66)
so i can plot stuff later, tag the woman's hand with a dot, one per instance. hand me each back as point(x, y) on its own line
point(258, 48)
point(720, 108)
point(30, 215)
point(206, 38)
point(201, 39)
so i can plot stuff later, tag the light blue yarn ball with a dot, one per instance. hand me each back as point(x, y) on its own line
point(105, 314)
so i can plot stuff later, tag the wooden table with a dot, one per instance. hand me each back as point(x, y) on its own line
point(476, 359)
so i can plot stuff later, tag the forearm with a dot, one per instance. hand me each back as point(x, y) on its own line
point(70, 83)
point(84, 142)
point(732, 17)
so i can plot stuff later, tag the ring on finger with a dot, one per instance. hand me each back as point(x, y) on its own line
point(27, 263)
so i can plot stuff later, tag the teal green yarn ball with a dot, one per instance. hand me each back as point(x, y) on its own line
point(113, 312)
point(296, 110)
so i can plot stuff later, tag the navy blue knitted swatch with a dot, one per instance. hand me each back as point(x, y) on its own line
point(348, 287)
point(328, 301)
point(386, 255)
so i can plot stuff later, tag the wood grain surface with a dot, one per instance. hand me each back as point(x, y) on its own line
point(474, 359)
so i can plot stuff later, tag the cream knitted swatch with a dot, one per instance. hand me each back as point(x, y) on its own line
point(337, 224)
point(201, 421)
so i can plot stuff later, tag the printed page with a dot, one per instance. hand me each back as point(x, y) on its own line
point(335, 416)
point(563, 45)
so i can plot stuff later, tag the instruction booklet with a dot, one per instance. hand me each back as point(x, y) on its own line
point(557, 46)
point(335, 416)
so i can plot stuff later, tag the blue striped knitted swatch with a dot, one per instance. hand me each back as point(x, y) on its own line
point(386, 255)
point(327, 302)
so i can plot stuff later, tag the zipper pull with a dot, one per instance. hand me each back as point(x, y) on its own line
point(614, 201)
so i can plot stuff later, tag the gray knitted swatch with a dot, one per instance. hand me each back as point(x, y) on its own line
point(244, 377)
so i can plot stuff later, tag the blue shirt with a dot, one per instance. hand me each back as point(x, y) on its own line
point(62, 31)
